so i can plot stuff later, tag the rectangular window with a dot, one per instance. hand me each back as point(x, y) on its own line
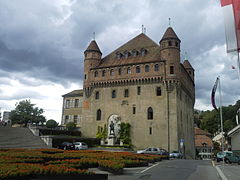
point(66, 119)
point(171, 69)
point(67, 104)
point(97, 95)
point(75, 119)
point(150, 131)
point(158, 91)
point(138, 90)
point(126, 93)
point(114, 95)
point(76, 103)
point(134, 110)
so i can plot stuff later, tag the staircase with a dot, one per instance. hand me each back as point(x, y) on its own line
point(19, 137)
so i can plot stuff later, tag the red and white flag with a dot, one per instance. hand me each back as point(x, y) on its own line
point(231, 11)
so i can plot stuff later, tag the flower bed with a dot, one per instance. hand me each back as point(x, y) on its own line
point(23, 163)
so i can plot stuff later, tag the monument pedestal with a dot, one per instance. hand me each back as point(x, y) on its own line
point(111, 140)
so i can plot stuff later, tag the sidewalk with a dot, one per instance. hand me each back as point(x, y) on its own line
point(228, 171)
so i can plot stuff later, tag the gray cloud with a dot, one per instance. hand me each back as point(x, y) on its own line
point(45, 40)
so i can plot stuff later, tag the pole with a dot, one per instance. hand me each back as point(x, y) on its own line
point(220, 102)
point(238, 64)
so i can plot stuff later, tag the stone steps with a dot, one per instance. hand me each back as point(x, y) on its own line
point(19, 138)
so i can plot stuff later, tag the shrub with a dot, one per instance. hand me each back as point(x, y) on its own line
point(51, 123)
point(71, 126)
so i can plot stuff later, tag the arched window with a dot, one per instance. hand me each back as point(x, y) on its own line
point(103, 73)
point(114, 95)
point(147, 68)
point(138, 70)
point(126, 54)
point(128, 70)
point(111, 72)
point(156, 67)
point(99, 112)
point(95, 74)
point(171, 69)
point(150, 113)
point(143, 52)
point(134, 53)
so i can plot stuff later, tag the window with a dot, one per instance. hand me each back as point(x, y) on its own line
point(75, 118)
point(99, 114)
point(135, 53)
point(85, 76)
point(134, 110)
point(118, 55)
point(103, 73)
point(128, 70)
point(111, 72)
point(171, 69)
point(66, 118)
point(76, 103)
point(126, 93)
point(150, 130)
point(127, 54)
point(138, 70)
point(138, 90)
point(143, 52)
point(97, 95)
point(163, 45)
point(147, 68)
point(114, 95)
point(169, 43)
point(176, 44)
point(119, 71)
point(156, 67)
point(95, 74)
point(158, 91)
point(67, 103)
point(150, 113)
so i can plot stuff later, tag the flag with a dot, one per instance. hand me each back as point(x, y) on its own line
point(231, 12)
point(213, 94)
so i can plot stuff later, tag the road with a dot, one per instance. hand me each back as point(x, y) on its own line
point(171, 170)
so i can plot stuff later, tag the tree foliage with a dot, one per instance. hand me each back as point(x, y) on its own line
point(71, 126)
point(102, 132)
point(210, 120)
point(51, 123)
point(125, 133)
point(25, 112)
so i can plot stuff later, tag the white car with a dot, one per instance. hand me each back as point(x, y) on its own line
point(151, 150)
point(80, 145)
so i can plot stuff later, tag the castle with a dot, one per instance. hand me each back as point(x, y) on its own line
point(141, 83)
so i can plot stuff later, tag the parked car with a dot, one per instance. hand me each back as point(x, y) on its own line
point(176, 154)
point(66, 146)
point(232, 158)
point(220, 155)
point(80, 145)
point(151, 150)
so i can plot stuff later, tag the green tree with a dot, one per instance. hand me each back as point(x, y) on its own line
point(71, 126)
point(51, 123)
point(125, 133)
point(25, 113)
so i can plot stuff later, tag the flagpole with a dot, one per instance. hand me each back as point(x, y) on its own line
point(220, 102)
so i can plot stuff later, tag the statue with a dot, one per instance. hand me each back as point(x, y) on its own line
point(111, 128)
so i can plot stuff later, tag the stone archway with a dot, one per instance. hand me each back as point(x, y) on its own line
point(114, 123)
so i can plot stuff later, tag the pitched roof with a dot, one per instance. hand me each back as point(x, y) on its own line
point(187, 64)
point(201, 139)
point(137, 43)
point(169, 34)
point(74, 93)
point(93, 47)
point(199, 131)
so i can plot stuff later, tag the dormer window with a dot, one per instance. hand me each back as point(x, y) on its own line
point(143, 52)
point(111, 72)
point(103, 73)
point(135, 53)
point(169, 43)
point(119, 55)
point(95, 74)
point(125, 54)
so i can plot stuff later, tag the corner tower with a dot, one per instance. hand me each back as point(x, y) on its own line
point(170, 50)
point(92, 58)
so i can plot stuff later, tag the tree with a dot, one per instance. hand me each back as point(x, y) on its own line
point(71, 126)
point(125, 133)
point(25, 113)
point(51, 123)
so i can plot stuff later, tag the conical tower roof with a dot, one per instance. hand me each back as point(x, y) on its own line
point(169, 34)
point(93, 47)
point(187, 64)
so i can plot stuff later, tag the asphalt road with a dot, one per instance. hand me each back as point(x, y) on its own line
point(171, 170)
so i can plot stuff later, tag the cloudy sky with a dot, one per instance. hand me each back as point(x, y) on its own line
point(42, 44)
